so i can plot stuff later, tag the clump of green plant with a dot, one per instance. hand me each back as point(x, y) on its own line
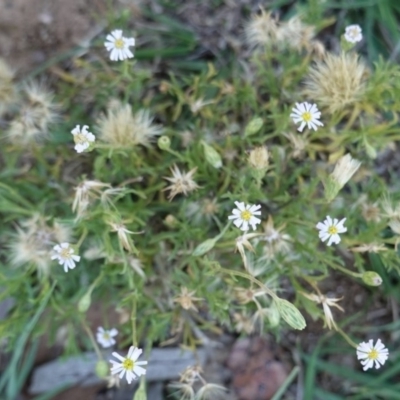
point(193, 203)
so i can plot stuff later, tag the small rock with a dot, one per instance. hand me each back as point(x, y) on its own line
point(256, 374)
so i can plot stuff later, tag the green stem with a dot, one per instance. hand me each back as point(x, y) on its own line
point(82, 238)
point(92, 339)
point(252, 279)
point(348, 340)
point(133, 313)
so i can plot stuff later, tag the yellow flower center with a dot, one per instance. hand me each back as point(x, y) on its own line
point(246, 215)
point(65, 253)
point(332, 230)
point(79, 138)
point(119, 43)
point(353, 32)
point(128, 364)
point(307, 116)
point(373, 354)
point(106, 336)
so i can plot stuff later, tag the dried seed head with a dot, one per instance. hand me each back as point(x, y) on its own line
point(123, 129)
point(275, 241)
point(262, 29)
point(337, 81)
point(259, 158)
point(38, 111)
point(295, 34)
point(371, 212)
point(298, 142)
point(34, 243)
point(186, 299)
point(181, 182)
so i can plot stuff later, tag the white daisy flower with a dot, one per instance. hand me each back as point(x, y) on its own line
point(64, 255)
point(82, 138)
point(353, 33)
point(368, 353)
point(128, 365)
point(118, 46)
point(244, 215)
point(105, 337)
point(307, 114)
point(331, 229)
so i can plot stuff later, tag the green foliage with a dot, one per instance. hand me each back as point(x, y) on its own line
point(144, 239)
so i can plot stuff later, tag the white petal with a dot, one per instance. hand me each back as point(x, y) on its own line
point(238, 222)
point(139, 370)
point(240, 205)
point(116, 355)
point(301, 127)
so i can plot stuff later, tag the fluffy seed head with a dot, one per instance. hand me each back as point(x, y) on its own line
point(34, 242)
point(262, 29)
point(38, 111)
point(337, 81)
point(123, 129)
point(295, 34)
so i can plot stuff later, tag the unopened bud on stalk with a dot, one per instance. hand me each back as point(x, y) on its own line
point(102, 369)
point(212, 156)
point(164, 142)
point(290, 314)
point(85, 301)
point(345, 168)
point(371, 278)
point(253, 126)
point(204, 247)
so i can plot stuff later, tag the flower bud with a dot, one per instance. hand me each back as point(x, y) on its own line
point(273, 316)
point(204, 247)
point(290, 314)
point(259, 158)
point(212, 156)
point(369, 149)
point(164, 142)
point(85, 301)
point(102, 369)
point(371, 278)
point(171, 221)
point(253, 126)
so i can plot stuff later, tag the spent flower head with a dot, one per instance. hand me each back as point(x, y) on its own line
point(330, 229)
point(326, 304)
point(186, 299)
point(337, 81)
point(245, 215)
point(182, 182)
point(262, 29)
point(275, 241)
point(34, 242)
point(353, 33)
point(368, 354)
point(85, 192)
point(122, 129)
point(118, 46)
point(306, 114)
point(344, 169)
point(124, 240)
point(37, 112)
point(65, 256)
point(128, 365)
